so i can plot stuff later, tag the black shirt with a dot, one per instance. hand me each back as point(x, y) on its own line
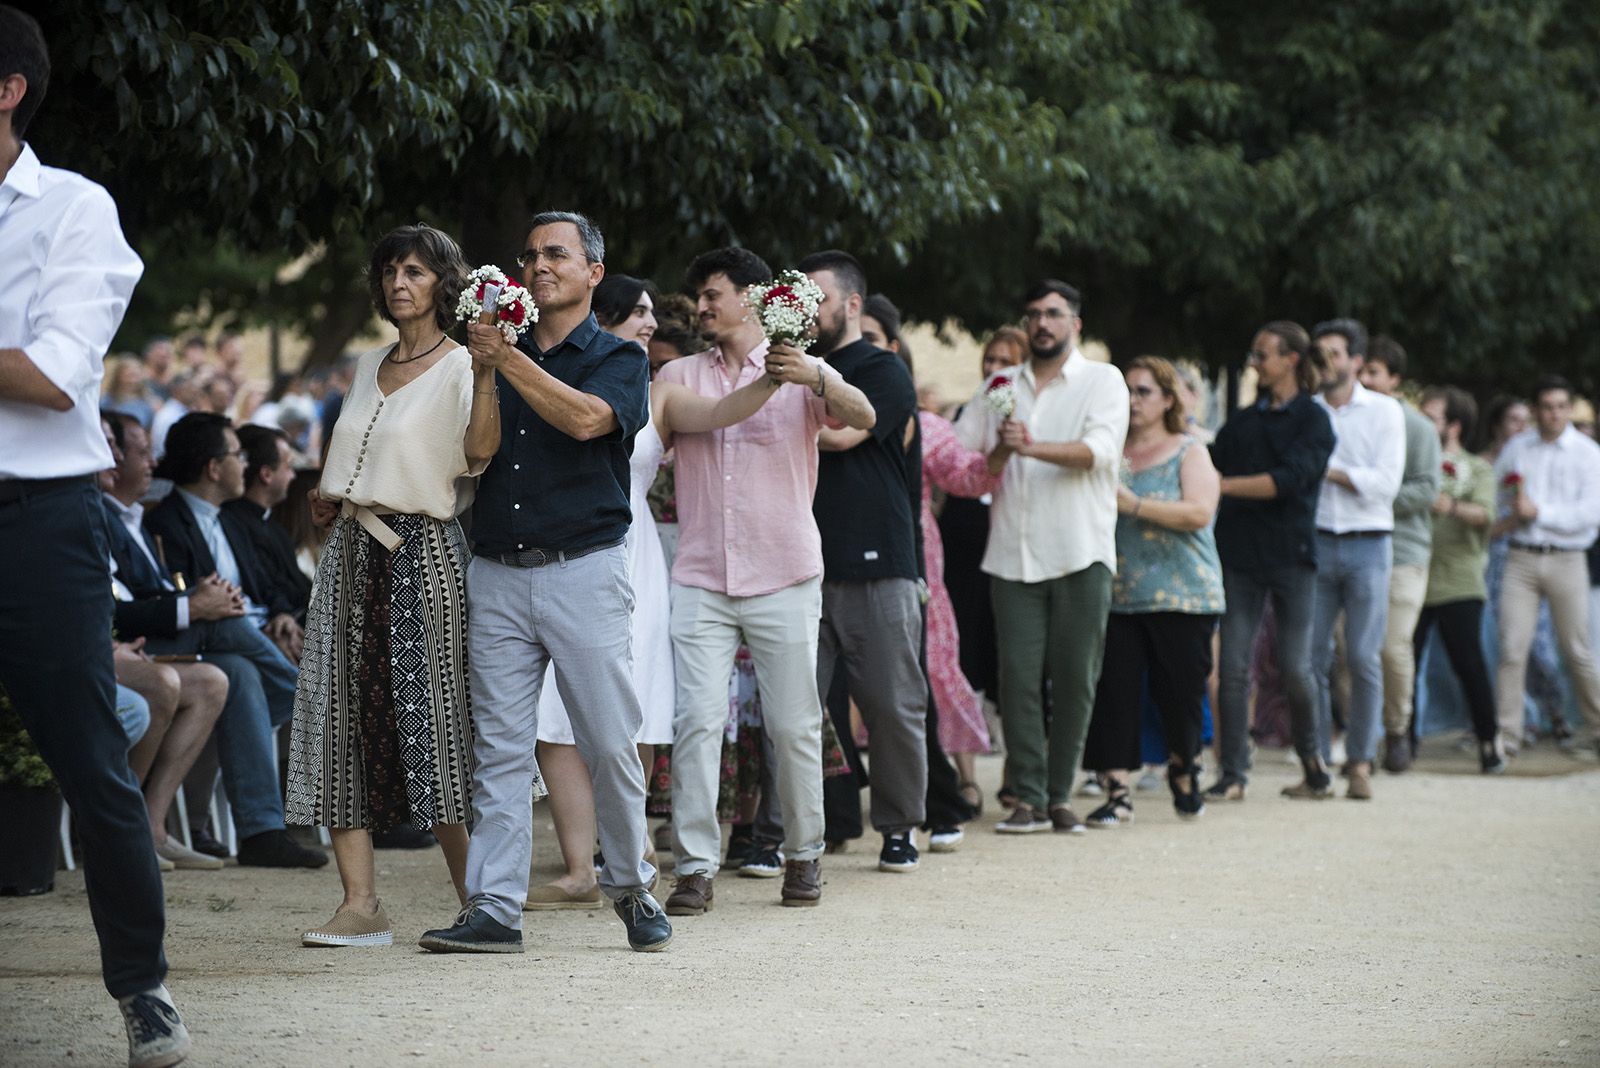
point(1292, 444)
point(275, 554)
point(545, 489)
point(869, 498)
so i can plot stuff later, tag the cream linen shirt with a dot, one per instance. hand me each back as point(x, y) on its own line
point(1047, 520)
point(406, 451)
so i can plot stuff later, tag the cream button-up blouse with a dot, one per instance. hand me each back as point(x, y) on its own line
point(405, 452)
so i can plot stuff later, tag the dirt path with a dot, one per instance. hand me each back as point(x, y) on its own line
point(1454, 921)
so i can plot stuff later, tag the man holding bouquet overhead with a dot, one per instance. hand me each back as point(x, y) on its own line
point(548, 584)
point(750, 562)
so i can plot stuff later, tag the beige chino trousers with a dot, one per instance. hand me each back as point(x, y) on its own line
point(1562, 579)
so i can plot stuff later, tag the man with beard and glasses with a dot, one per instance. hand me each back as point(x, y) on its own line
point(868, 504)
point(1052, 548)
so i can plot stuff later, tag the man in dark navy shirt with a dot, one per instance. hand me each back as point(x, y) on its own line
point(549, 583)
point(1271, 456)
point(868, 507)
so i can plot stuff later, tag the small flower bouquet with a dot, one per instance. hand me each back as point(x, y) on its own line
point(1512, 481)
point(1002, 396)
point(786, 308)
point(489, 293)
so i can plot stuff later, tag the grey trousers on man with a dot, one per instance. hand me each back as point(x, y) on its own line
point(574, 614)
point(874, 631)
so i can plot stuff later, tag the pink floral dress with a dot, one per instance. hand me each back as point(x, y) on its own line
point(960, 472)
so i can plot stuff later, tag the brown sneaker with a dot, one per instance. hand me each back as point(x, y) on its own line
point(351, 928)
point(691, 896)
point(1306, 790)
point(1066, 821)
point(1024, 819)
point(1360, 788)
point(802, 883)
point(550, 896)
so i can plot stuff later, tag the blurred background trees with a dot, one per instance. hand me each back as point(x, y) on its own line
point(1196, 166)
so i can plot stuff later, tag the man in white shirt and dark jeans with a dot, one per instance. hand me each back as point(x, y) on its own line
point(1550, 474)
point(1052, 549)
point(66, 274)
point(1355, 535)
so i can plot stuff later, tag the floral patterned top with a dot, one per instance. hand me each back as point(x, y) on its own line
point(1160, 569)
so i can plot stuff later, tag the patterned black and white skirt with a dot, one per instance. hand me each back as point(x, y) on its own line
point(382, 732)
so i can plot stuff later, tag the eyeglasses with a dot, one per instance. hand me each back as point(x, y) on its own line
point(552, 253)
point(1054, 315)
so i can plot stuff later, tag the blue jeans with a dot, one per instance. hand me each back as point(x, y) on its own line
point(1353, 578)
point(261, 686)
point(1292, 590)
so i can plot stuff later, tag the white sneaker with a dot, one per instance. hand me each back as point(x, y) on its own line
point(1150, 780)
point(156, 1035)
point(1338, 757)
point(945, 840)
point(1091, 788)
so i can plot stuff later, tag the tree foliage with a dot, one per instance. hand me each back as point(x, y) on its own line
point(1197, 165)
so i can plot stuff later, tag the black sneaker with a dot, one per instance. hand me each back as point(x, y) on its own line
point(649, 931)
point(740, 846)
point(203, 842)
point(475, 931)
point(404, 838)
point(156, 1035)
point(278, 849)
point(898, 854)
point(762, 862)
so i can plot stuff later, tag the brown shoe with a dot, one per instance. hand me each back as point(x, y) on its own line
point(802, 883)
point(1024, 819)
point(691, 896)
point(1360, 788)
point(1307, 790)
point(1065, 821)
point(550, 896)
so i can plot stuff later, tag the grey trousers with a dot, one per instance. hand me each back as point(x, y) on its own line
point(781, 630)
point(576, 615)
point(874, 631)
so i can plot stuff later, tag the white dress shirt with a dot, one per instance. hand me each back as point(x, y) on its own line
point(1370, 446)
point(1562, 477)
point(1048, 521)
point(66, 274)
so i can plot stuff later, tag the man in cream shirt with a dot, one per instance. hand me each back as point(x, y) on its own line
point(1355, 539)
point(1052, 548)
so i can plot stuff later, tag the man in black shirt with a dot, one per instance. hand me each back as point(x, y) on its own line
point(868, 501)
point(268, 472)
point(1271, 456)
point(549, 584)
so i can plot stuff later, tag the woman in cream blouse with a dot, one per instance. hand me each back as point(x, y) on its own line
point(382, 731)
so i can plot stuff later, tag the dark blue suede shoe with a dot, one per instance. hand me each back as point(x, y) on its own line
point(475, 931)
point(648, 928)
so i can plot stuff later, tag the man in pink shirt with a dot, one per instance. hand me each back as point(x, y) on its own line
point(749, 564)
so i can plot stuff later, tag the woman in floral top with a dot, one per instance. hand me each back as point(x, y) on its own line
point(1165, 599)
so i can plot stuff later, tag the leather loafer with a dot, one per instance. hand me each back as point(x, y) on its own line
point(802, 883)
point(278, 849)
point(691, 896)
point(475, 931)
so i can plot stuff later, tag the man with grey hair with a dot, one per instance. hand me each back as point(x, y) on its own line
point(549, 584)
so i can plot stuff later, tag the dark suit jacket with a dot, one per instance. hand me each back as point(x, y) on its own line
point(186, 550)
point(153, 613)
point(275, 552)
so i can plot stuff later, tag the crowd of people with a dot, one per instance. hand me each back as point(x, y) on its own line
point(644, 560)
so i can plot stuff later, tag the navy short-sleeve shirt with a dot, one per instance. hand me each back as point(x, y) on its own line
point(545, 489)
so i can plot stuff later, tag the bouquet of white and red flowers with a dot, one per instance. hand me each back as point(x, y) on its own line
point(490, 298)
point(786, 308)
point(1002, 396)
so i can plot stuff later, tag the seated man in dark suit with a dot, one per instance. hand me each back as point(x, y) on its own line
point(213, 616)
point(268, 472)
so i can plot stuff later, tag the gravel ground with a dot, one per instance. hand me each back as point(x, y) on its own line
point(1453, 921)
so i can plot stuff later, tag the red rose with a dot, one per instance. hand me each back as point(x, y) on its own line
point(1512, 481)
point(1449, 469)
point(998, 383)
point(514, 313)
point(782, 295)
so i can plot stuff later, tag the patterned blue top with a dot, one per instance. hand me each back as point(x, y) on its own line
point(1160, 569)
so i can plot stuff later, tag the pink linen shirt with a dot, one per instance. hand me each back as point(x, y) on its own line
point(745, 525)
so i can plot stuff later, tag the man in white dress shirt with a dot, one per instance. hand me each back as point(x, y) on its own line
point(66, 275)
point(1355, 536)
point(1551, 475)
point(1052, 549)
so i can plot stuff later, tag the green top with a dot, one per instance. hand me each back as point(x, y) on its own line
point(1159, 569)
point(1413, 505)
point(1461, 552)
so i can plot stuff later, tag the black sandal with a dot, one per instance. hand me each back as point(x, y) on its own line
point(1184, 781)
point(1117, 810)
point(972, 794)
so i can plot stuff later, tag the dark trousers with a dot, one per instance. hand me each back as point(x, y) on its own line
point(1172, 649)
point(1460, 626)
point(1292, 590)
point(55, 665)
